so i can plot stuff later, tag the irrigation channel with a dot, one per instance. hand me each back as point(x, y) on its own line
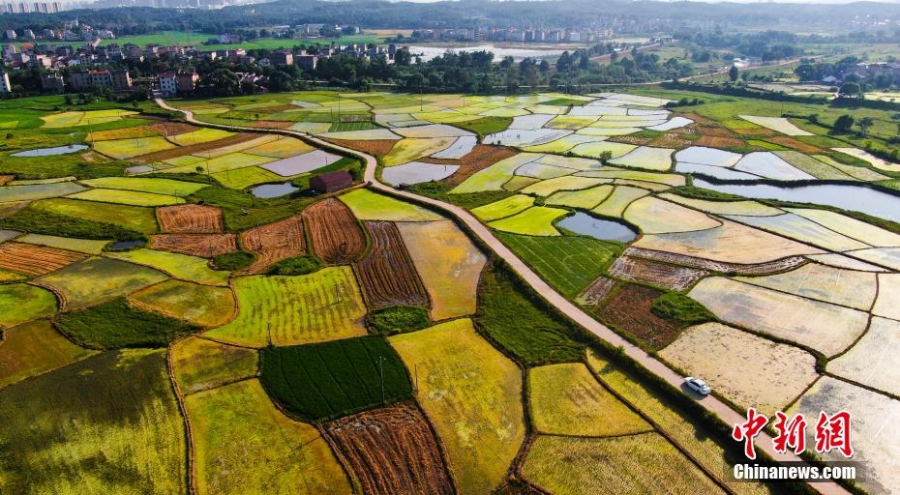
point(712, 404)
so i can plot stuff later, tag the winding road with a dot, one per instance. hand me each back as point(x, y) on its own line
point(726, 414)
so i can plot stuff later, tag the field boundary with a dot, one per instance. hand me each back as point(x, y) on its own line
point(189, 432)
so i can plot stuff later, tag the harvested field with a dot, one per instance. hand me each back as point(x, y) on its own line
point(652, 272)
point(789, 142)
point(375, 147)
point(387, 273)
point(322, 306)
point(629, 310)
point(334, 232)
point(871, 361)
point(273, 243)
point(823, 283)
point(732, 243)
point(720, 142)
point(566, 399)
point(645, 463)
point(593, 294)
point(825, 327)
point(481, 157)
point(449, 264)
point(473, 395)
point(717, 266)
point(876, 438)
point(35, 260)
point(190, 219)
point(202, 245)
point(199, 364)
point(391, 450)
point(749, 370)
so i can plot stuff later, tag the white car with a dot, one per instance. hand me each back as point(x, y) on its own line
point(697, 385)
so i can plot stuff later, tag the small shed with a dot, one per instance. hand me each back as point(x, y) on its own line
point(331, 181)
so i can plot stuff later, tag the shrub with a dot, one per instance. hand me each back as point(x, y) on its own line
point(677, 307)
point(299, 265)
point(399, 319)
point(115, 324)
point(233, 261)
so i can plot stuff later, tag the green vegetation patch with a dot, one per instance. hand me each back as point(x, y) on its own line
point(399, 319)
point(329, 380)
point(22, 302)
point(441, 191)
point(569, 264)
point(98, 280)
point(298, 265)
point(116, 324)
point(149, 185)
point(679, 308)
point(485, 125)
point(40, 221)
point(129, 217)
point(108, 424)
point(520, 323)
point(233, 262)
point(34, 348)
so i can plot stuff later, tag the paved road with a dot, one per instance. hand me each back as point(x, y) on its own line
point(728, 415)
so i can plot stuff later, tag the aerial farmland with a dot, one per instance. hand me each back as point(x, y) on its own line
point(486, 308)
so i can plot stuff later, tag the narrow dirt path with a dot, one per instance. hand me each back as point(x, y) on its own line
point(729, 416)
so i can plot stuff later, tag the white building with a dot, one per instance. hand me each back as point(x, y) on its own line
point(168, 84)
point(5, 87)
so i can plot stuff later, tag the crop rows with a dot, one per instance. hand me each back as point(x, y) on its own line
point(35, 260)
point(334, 232)
point(387, 273)
point(274, 242)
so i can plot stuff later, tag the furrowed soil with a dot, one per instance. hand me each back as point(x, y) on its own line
point(194, 148)
point(273, 243)
point(387, 273)
point(202, 245)
point(35, 260)
point(391, 450)
point(190, 219)
point(334, 232)
point(375, 147)
point(629, 310)
point(652, 272)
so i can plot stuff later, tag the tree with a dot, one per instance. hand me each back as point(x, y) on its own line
point(402, 58)
point(844, 123)
point(733, 73)
point(850, 90)
point(896, 118)
point(865, 124)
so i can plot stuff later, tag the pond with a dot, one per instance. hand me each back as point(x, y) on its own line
point(861, 198)
point(59, 150)
point(267, 191)
point(605, 230)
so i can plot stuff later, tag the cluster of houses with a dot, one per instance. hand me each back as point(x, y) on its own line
point(70, 31)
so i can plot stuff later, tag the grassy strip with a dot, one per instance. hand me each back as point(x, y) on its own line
point(521, 323)
point(44, 222)
point(322, 381)
point(115, 324)
point(441, 191)
point(399, 319)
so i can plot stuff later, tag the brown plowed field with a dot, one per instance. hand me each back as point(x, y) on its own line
point(481, 157)
point(391, 451)
point(720, 142)
point(776, 266)
point(597, 291)
point(656, 273)
point(629, 310)
point(273, 243)
point(789, 142)
point(35, 260)
point(671, 140)
point(194, 148)
point(387, 273)
point(632, 140)
point(6, 178)
point(203, 245)
point(190, 219)
point(173, 128)
point(334, 232)
point(376, 147)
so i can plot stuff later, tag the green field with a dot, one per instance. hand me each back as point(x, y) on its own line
point(515, 318)
point(332, 379)
point(367, 205)
point(180, 266)
point(80, 245)
point(473, 396)
point(97, 280)
point(243, 444)
point(133, 198)
point(569, 264)
point(116, 324)
point(107, 424)
point(34, 348)
point(322, 306)
point(535, 221)
point(201, 305)
point(199, 364)
point(159, 186)
point(130, 217)
point(21, 302)
point(37, 220)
